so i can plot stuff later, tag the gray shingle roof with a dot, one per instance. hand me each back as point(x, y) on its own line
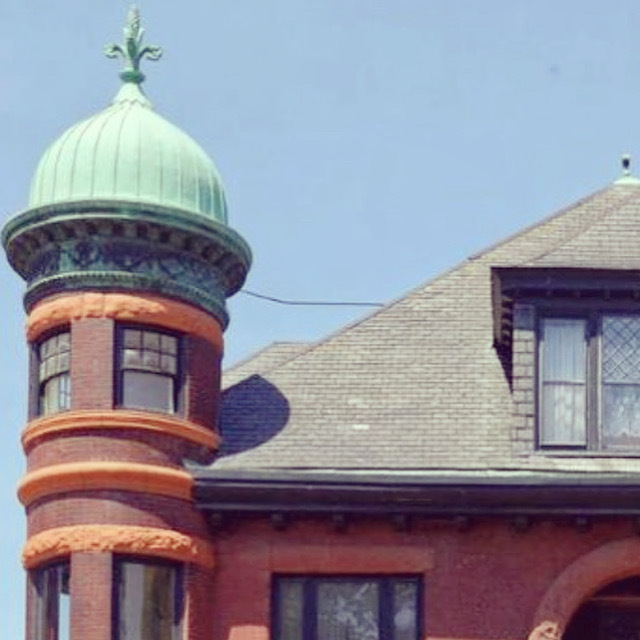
point(418, 384)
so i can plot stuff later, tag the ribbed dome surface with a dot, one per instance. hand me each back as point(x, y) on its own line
point(129, 153)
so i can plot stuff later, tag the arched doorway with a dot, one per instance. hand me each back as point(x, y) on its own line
point(611, 613)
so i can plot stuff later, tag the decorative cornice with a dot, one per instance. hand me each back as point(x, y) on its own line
point(123, 307)
point(437, 494)
point(127, 245)
point(104, 476)
point(144, 541)
point(69, 421)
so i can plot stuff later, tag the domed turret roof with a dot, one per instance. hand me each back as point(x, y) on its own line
point(125, 201)
point(129, 153)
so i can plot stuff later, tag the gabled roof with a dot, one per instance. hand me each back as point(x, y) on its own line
point(419, 383)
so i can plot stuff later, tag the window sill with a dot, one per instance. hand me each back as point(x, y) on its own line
point(584, 453)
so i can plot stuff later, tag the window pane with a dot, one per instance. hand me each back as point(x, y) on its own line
point(563, 415)
point(621, 380)
point(290, 609)
point(169, 344)
point(405, 615)
point(64, 342)
point(132, 358)
point(348, 611)
point(151, 340)
point(168, 364)
point(151, 360)
point(52, 606)
point(147, 602)
point(132, 338)
point(144, 390)
point(55, 394)
point(563, 356)
point(621, 349)
point(621, 413)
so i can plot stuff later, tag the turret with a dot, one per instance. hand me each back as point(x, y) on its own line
point(128, 261)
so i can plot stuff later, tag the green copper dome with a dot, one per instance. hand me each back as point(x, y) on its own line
point(125, 201)
point(129, 153)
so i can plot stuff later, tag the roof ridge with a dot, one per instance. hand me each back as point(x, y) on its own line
point(570, 237)
point(545, 220)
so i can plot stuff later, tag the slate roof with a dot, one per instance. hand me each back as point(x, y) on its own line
point(418, 385)
point(262, 362)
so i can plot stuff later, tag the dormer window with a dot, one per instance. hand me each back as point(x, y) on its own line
point(589, 381)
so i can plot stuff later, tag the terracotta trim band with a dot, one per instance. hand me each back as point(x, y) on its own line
point(134, 540)
point(109, 476)
point(142, 309)
point(587, 574)
point(67, 421)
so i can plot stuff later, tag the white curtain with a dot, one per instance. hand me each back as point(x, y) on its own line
point(563, 356)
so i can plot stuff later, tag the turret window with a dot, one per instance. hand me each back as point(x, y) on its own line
point(54, 355)
point(52, 602)
point(148, 600)
point(148, 363)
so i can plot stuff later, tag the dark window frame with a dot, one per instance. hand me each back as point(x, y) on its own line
point(592, 313)
point(119, 368)
point(179, 599)
point(46, 606)
point(39, 383)
point(311, 582)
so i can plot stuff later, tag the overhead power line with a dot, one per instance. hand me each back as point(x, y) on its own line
point(310, 303)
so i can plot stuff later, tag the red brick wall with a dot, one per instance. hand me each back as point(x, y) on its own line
point(109, 445)
point(201, 611)
point(115, 507)
point(484, 583)
point(202, 381)
point(91, 586)
point(92, 363)
point(92, 387)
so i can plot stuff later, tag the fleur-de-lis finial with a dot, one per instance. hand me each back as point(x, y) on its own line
point(132, 50)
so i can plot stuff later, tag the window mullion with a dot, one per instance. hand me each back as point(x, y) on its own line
point(310, 611)
point(593, 381)
point(386, 609)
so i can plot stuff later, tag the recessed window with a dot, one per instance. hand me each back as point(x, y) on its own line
point(52, 602)
point(148, 370)
point(54, 357)
point(589, 377)
point(346, 608)
point(148, 601)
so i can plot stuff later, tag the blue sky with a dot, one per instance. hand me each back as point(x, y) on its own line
point(366, 145)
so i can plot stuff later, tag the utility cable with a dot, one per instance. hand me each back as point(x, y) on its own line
point(310, 303)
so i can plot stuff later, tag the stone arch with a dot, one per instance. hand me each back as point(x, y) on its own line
point(586, 575)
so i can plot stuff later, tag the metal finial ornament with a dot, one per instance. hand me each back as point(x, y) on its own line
point(132, 50)
point(626, 165)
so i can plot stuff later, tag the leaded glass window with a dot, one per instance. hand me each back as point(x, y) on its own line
point(346, 608)
point(54, 357)
point(620, 380)
point(149, 370)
